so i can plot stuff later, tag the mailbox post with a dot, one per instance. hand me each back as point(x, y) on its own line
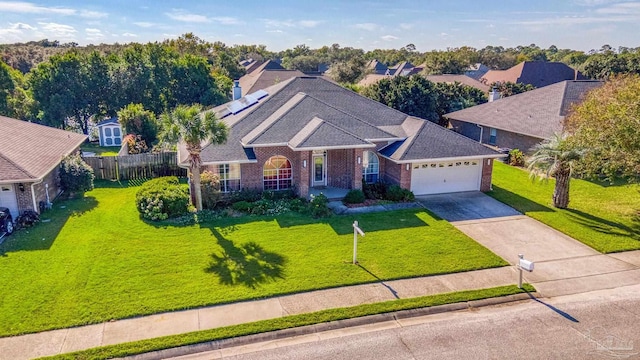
point(356, 231)
point(523, 265)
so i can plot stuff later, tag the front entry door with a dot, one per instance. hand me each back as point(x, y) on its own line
point(319, 171)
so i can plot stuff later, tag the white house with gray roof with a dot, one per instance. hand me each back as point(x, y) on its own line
point(307, 132)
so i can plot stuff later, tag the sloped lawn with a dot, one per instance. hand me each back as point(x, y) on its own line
point(600, 215)
point(96, 260)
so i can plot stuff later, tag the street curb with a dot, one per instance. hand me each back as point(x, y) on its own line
point(322, 327)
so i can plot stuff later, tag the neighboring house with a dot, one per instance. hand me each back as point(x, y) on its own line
point(476, 71)
point(523, 120)
point(536, 73)
point(267, 74)
point(376, 67)
point(110, 132)
point(30, 156)
point(307, 132)
point(462, 79)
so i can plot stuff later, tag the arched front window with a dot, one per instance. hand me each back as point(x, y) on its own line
point(370, 167)
point(276, 173)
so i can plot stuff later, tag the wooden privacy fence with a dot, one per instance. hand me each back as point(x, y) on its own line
point(138, 166)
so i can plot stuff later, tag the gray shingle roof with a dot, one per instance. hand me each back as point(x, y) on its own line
point(462, 79)
point(538, 113)
point(310, 112)
point(29, 151)
point(536, 73)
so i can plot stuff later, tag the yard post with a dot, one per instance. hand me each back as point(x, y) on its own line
point(520, 272)
point(355, 242)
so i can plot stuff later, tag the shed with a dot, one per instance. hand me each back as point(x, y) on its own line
point(110, 132)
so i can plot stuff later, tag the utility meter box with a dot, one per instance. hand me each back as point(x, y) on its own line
point(526, 265)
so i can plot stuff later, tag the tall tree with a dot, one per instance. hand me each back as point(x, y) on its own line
point(607, 126)
point(413, 95)
point(193, 126)
point(555, 158)
point(508, 88)
point(456, 96)
point(70, 89)
point(136, 120)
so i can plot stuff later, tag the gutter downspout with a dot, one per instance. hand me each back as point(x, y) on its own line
point(481, 129)
point(33, 193)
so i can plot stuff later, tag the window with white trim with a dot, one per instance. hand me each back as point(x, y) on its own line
point(277, 174)
point(229, 175)
point(370, 167)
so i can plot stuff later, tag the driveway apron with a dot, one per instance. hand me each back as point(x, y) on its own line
point(563, 265)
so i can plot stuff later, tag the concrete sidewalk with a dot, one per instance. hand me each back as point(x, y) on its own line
point(85, 337)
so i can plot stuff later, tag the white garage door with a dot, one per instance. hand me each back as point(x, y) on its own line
point(8, 199)
point(446, 177)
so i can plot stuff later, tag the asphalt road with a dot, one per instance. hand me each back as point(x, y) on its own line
point(598, 325)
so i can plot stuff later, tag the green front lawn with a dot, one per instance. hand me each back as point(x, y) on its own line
point(603, 216)
point(95, 260)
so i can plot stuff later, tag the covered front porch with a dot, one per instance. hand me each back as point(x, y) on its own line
point(332, 193)
point(332, 172)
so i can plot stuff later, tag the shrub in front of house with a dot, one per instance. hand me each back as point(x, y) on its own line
point(248, 195)
point(375, 191)
point(319, 206)
point(396, 193)
point(75, 174)
point(162, 198)
point(354, 196)
point(516, 158)
point(243, 206)
point(210, 189)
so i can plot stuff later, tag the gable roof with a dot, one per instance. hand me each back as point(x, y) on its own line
point(536, 73)
point(462, 79)
point(30, 151)
point(377, 67)
point(313, 113)
point(260, 79)
point(110, 121)
point(538, 113)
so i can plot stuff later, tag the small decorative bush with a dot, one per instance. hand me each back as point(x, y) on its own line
point(243, 206)
point(319, 206)
point(396, 193)
point(516, 158)
point(210, 189)
point(75, 174)
point(354, 196)
point(375, 191)
point(248, 195)
point(162, 198)
point(135, 144)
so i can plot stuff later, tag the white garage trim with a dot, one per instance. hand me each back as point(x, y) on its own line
point(8, 199)
point(439, 177)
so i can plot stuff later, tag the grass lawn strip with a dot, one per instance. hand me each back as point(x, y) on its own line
point(166, 342)
point(602, 216)
point(95, 260)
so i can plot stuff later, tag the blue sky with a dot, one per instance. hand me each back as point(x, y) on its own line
point(576, 24)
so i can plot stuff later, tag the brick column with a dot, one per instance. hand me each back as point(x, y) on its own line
point(357, 173)
point(487, 169)
point(304, 179)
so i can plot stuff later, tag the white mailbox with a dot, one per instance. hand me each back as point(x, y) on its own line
point(526, 265)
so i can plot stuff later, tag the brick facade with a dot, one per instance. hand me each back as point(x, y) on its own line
point(25, 200)
point(396, 173)
point(487, 169)
point(504, 139)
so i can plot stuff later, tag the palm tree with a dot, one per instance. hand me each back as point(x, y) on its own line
point(554, 157)
point(193, 126)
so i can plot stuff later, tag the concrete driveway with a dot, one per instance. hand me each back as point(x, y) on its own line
point(562, 265)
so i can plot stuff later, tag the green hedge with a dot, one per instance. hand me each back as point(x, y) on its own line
point(162, 198)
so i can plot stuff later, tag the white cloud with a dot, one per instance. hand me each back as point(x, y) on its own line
point(406, 26)
point(182, 15)
point(275, 31)
point(389, 38)
point(227, 20)
point(127, 34)
point(144, 24)
point(309, 23)
point(15, 30)
point(31, 8)
point(366, 26)
point(57, 31)
point(444, 34)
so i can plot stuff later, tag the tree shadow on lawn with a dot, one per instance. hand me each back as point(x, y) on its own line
point(606, 226)
point(517, 202)
point(368, 222)
point(42, 235)
point(246, 264)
